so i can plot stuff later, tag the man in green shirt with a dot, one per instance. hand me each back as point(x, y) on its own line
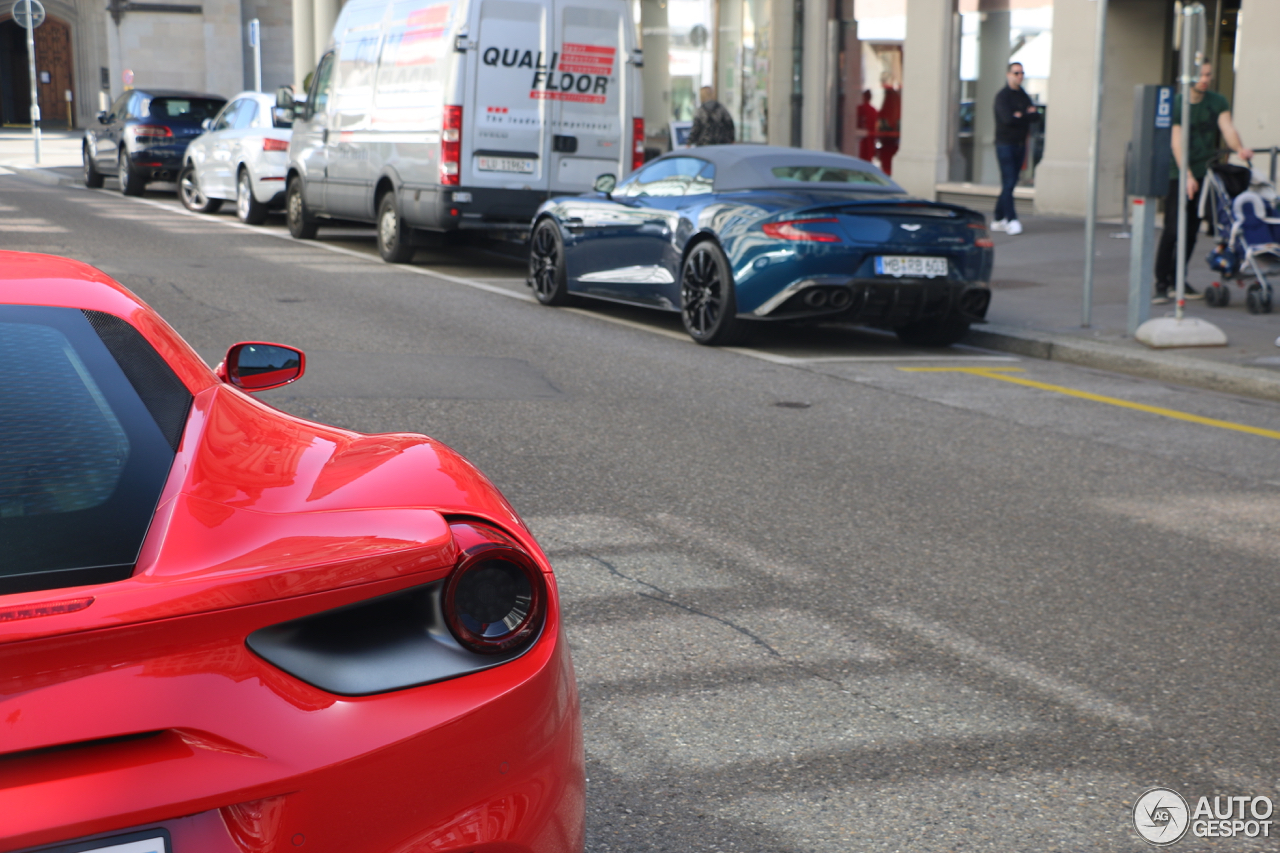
point(1210, 115)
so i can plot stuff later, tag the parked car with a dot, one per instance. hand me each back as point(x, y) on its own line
point(457, 115)
point(143, 136)
point(731, 235)
point(243, 156)
point(226, 628)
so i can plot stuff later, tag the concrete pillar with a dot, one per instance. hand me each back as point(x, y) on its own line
point(781, 57)
point(928, 60)
point(655, 74)
point(304, 42)
point(1256, 110)
point(1137, 40)
point(851, 83)
point(326, 15)
point(815, 65)
point(993, 61)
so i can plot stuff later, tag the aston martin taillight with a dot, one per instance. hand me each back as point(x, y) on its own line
point(451, 146)
point(496, 597)
point(983, 238)
point(797, 229)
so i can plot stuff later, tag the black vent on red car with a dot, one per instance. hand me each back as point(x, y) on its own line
point(162, 392)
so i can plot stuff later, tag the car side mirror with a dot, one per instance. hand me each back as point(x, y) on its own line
point(284, 98)
point(103, 118)
point(260, 366)
point(206, 124)
point(605, 184)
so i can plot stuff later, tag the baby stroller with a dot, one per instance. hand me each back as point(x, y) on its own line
point(1241, 210)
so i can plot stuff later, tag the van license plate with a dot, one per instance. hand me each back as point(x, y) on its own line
point(504, 164)
point(911, 265)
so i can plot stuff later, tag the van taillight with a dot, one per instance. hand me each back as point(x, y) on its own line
point(451, 146)
point(637, 143)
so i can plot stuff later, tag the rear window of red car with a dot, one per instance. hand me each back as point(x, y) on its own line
point(90, 417)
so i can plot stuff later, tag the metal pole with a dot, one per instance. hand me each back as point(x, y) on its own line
point(1189, 57)
point(255, 29)
point(1091, 212)
point(31, 70)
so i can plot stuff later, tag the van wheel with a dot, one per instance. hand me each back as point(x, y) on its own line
point(393, 237)
point(249, 209)
point(302, 225)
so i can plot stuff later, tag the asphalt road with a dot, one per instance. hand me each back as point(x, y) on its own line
point(824, 594)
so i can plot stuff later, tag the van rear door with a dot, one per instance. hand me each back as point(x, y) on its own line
point(591, 119)
point(505, 138)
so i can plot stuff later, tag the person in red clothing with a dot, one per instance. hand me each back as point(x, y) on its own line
point(868, 117)
point(890, 119)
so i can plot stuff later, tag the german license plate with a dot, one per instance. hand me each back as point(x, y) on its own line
point(504, 164)
point(911, 265)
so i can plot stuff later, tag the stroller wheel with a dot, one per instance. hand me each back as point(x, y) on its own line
point(1213, 295)
point(1224, 296)
point(1254, 300)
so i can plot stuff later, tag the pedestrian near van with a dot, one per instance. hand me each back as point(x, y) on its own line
point(1015, 112)
point(1210, 116)
point(712, 124)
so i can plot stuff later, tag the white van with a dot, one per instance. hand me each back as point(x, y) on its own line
point(463, 114)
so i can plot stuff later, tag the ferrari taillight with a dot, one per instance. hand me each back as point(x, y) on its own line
point(793, 230)
point(495, 598)
point(451, 146)
point(637, 143)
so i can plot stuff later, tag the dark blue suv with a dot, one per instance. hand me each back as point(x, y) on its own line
point(143, 136)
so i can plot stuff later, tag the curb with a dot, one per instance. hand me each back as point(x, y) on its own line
point(42, 174)
point(1165, 367)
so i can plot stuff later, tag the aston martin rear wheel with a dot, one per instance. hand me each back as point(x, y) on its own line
point(708, 305)
point(547, 274)
point(935, 332)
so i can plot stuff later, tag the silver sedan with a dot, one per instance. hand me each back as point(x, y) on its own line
point(242, 157)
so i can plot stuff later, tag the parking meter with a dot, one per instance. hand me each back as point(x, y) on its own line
point(1148, 181)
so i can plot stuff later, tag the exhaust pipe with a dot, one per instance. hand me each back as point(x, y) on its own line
point(840, 298)
point(816, 298)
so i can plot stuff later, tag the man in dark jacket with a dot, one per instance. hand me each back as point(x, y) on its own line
point(1014, 114)
point(712, 124)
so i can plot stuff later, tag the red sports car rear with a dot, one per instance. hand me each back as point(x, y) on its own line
point(226, 629)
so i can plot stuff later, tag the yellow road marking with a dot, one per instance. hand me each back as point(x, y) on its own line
point(1002, 373)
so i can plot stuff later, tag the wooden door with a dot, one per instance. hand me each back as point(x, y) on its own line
point(53, 58)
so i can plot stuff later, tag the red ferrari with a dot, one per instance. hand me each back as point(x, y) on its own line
point(225, 629)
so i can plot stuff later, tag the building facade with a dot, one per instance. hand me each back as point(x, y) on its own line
point(906, 83)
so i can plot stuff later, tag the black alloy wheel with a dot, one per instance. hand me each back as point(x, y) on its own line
point(92, 177)
point(934, 332)
point(131, 181)
point(249, 209)
point(395, 243)
point(708, 305)
point(547, 274)
point(302, 225)
point(190, 194)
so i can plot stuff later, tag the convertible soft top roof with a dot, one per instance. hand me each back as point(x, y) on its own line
point(750, 167)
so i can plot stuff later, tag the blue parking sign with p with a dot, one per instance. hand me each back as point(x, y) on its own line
point(1164, 108)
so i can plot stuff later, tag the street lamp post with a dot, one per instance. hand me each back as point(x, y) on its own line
point(31, 71)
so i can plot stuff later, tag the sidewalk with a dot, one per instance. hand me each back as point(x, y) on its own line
point(1036, 310)
point(1035, 306)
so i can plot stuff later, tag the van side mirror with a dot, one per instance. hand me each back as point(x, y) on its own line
point(260, 366)
point(605, 184)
